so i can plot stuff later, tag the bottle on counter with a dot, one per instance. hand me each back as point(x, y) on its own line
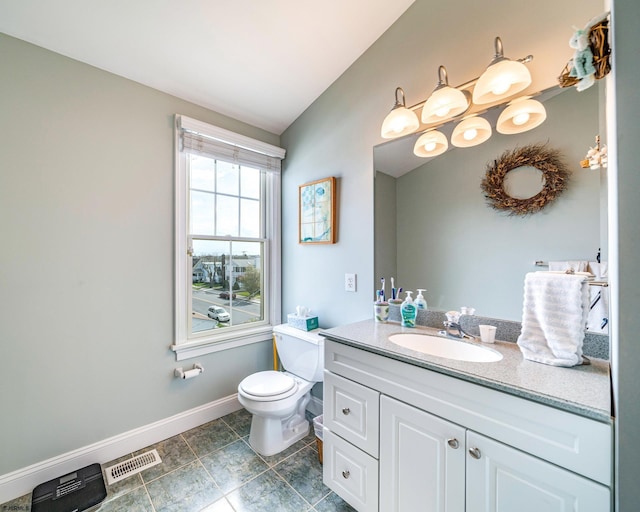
point(408, 311)
point(420, 302)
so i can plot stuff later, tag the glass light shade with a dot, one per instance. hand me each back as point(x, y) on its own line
point(471, 132)
point(502, 79)
point(520, 116)
point(444, 103)
point(431, 143)
point(400, 121)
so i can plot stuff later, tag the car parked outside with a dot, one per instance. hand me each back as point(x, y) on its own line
point(225, 295)
point(218, 313)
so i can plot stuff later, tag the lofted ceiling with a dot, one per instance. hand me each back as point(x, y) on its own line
point(262, 62)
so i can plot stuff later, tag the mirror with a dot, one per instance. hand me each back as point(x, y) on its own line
point(435, 230)
point(524, 182)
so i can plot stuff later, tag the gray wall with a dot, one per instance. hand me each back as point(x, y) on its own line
point(466, 253)
point(626, 321)
point(86, 259)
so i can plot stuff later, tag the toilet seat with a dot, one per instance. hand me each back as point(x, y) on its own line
point(268, 386)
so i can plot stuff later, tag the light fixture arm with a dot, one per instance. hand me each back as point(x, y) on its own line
point(499, 53)
point(398, 102)
point(499, 50)
point(443, 78)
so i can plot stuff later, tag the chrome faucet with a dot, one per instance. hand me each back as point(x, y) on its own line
point(453, 322)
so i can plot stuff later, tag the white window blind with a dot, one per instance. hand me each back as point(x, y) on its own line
point(200, 138)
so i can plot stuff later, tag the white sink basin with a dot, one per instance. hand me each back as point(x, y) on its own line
point(445, 347)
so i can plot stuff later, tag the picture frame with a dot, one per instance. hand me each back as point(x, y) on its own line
point(317, 212)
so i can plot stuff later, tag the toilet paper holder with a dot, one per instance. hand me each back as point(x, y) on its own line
point(188, 374)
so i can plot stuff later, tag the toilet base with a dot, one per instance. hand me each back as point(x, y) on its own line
point(271, 435)
point(267, 436)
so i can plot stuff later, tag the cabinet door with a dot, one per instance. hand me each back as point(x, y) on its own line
point(502, 478)
point(422, 460)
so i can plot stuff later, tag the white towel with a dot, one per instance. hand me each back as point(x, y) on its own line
point(554, 316)
point(600, 271)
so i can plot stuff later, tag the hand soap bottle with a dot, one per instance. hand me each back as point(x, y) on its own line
point(420, 302)
point(408, 311)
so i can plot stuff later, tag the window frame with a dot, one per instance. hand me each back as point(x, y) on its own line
point(185, 346)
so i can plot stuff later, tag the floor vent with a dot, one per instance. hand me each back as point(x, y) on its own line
point(132, 466)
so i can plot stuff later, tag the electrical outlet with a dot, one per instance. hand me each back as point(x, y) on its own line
point(349, 282)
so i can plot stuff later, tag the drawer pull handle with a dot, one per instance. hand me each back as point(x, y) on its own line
point(475, 453)
point(453, 443)
point(346, 474)
point(346, 411)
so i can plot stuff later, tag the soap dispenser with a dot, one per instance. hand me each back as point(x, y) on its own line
point(408, 311)
point(421, 302)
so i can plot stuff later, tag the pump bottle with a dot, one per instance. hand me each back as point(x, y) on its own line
point(420, 302)
point(408, 311)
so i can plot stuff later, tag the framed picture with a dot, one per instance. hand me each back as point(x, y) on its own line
point(317, 212)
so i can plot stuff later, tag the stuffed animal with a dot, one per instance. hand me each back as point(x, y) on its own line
point(596, 157)
point(582, 63)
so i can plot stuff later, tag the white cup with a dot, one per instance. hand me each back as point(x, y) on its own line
point(487, 333)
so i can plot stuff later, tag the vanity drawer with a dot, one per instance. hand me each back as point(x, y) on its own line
point(350, 473)
point(352, 411)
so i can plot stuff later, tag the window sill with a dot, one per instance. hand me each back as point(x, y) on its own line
point(198, 348)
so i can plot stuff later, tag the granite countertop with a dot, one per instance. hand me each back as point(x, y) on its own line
point(583, 390)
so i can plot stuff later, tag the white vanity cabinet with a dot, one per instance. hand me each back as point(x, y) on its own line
point(445, 444)
point(427, 463)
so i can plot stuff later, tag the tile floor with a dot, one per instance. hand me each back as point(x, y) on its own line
point(212, 468)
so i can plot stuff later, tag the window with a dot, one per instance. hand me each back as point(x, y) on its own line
point(227, 238)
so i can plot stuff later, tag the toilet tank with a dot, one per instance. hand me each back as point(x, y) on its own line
point(301, 352)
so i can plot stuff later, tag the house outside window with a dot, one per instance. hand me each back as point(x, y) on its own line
point(227, 239)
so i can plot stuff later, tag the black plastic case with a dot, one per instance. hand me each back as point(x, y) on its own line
point(74, 492)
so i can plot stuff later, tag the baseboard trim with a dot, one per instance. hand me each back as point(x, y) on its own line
point(22, 481)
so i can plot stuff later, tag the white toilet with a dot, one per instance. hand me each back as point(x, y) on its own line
point(278, 400)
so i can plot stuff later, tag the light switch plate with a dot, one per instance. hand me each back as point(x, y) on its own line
point(349, 282)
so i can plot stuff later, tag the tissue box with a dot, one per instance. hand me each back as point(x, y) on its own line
point(304, 323)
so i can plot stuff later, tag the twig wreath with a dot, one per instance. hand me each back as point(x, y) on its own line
point(547, 161)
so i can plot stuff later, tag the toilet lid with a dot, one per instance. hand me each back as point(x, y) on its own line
point(267, 383)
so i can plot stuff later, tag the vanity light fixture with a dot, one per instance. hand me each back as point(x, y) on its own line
point(445, 102)
point(503, 78)
point(522, 114)
point(430, 143)
point(401, 120)
point(471, 131)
